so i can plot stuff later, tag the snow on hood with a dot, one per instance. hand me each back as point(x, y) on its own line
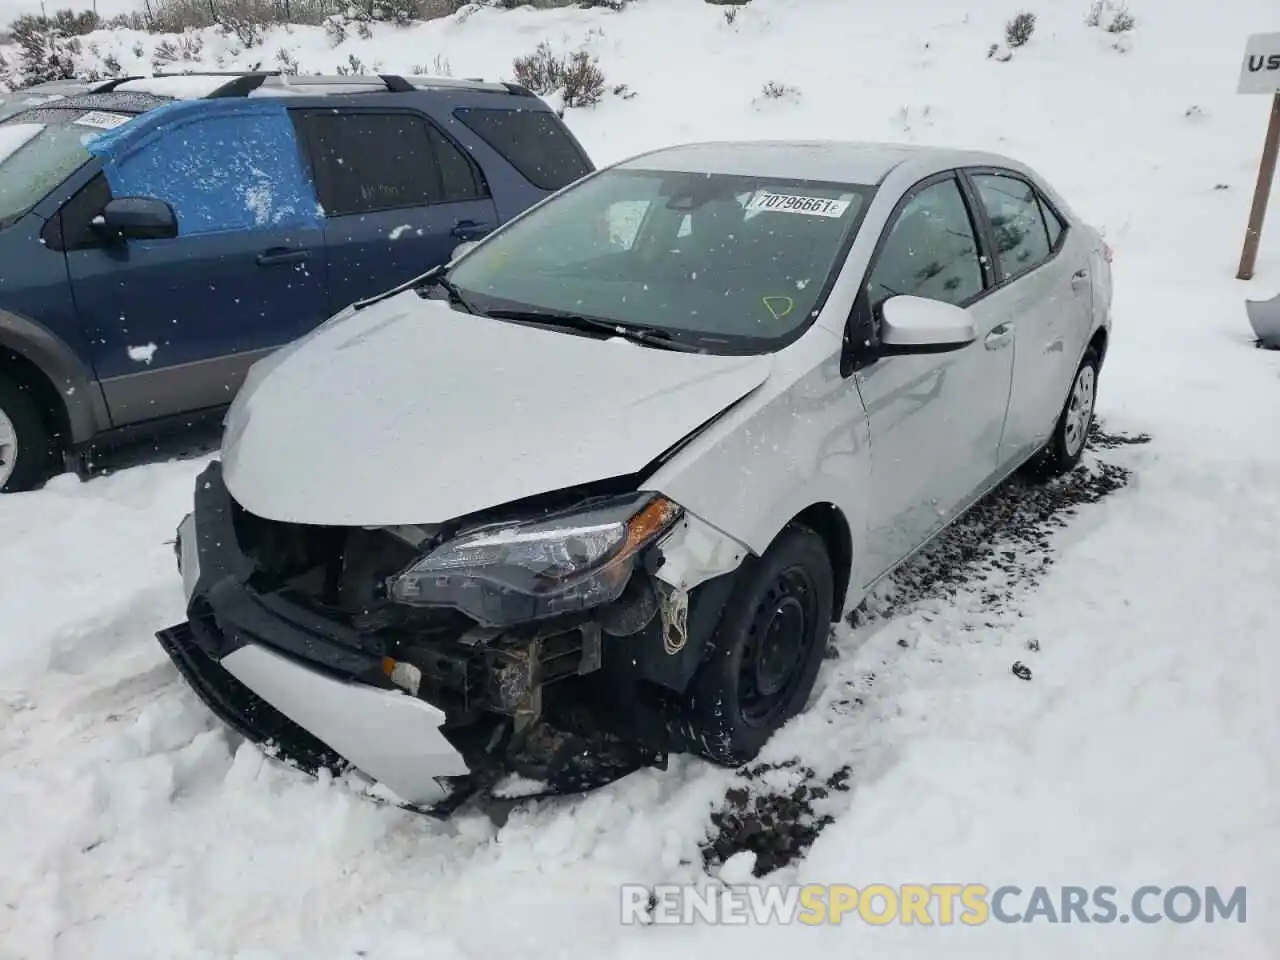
point(410, 412)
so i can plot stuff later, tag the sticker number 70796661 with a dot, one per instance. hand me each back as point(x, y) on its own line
point(792, 203)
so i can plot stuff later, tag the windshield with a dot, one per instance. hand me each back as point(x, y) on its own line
point(38, 150)
point(728, 263)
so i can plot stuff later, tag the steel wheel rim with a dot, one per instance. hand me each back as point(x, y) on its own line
point(1080, 410)
point(8, 448)
point(779, 641)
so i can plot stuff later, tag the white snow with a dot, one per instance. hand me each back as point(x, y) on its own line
point(737, 869)
point(517, 786)
point(143, 354)
point(1143, 751)
point(399, 231)
point(179, 87)
point(16, 136)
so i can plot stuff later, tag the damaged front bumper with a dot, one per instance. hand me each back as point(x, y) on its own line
point(436, 709)
point(391, 736)
point(272, 698)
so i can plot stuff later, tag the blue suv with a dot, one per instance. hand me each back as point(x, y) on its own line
point(158, 235)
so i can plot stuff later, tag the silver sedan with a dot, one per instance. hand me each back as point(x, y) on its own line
point(633, 454)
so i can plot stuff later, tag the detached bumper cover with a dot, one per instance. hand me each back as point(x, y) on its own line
point(244, 655)
point(390, 736)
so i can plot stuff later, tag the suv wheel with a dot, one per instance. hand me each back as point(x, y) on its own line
point(765, 653)
point(26, 448)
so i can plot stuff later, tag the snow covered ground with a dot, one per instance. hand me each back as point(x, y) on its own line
point(1143, 750)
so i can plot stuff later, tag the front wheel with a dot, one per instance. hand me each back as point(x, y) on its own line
point(766, 651)
point(1066, 446)
point(26, 449)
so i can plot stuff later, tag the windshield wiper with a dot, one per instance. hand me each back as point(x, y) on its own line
point(456, 296)
point(432, 278)
point(637, 333)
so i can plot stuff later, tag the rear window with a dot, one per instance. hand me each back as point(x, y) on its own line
point(535, 142)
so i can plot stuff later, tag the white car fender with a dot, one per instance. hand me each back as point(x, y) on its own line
point(736, 480)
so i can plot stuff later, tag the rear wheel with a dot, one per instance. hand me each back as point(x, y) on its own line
point(1066, 446)
point(766, 651)
point(26, 447)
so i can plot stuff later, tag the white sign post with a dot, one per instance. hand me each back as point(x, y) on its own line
point(1260, 73)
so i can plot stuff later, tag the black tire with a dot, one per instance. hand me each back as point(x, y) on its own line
point(728, 717)
point(32, 455)
point(1070, 435)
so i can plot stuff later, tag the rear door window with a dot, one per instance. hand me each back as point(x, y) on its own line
point(535, 142)
point(370, 162)
point(1022, 239)
point(365, 162)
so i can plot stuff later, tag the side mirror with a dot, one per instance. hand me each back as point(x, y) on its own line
point(911, 325)
point(137, 218)
point(462, 249)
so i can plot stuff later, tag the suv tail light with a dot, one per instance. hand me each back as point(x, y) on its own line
point(1107, 252)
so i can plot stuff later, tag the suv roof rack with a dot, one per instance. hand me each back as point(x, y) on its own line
point(243, 84)
point(237, 80)
point(108, 85)
point(216, 73)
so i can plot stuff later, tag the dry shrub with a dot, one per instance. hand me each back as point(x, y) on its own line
point(577, 76)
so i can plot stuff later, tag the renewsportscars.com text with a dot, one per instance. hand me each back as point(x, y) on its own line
point(929, 904)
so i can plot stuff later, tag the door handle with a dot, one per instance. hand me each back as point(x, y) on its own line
point(999, 337)
point(469, 230)
point(279, 255)
point(1079, 277)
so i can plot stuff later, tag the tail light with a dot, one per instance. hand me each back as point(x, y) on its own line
point(1107, 252)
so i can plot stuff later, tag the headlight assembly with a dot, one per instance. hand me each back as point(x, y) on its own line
point(518, 571)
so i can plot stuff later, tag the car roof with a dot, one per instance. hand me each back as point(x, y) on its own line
point(65, 86)
point(72, 86)
point(113, 101)
point(51, 91)
point(839, 161)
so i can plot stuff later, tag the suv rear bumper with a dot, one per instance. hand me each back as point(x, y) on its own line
point(244, 655)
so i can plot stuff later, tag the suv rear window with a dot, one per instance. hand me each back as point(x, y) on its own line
point(535, 142)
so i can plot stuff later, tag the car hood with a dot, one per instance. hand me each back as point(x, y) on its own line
point(411, 412)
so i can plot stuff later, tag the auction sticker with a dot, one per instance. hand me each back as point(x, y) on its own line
point(101, 120)
point(792, 203)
